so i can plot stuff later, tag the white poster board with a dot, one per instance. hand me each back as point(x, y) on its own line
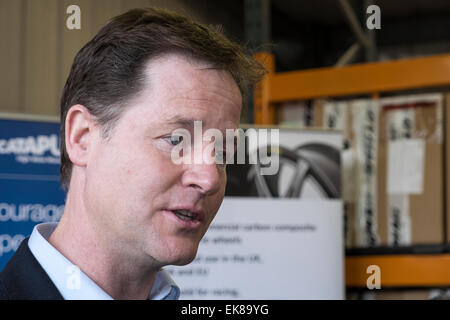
point(260, 248)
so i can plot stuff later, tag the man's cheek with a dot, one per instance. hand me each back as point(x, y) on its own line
point(221, 194)
point(217, 203)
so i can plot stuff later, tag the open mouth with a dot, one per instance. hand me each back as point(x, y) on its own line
point(185, 215)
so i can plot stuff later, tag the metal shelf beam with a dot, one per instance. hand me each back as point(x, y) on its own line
point(367, 78)
point(411, 270)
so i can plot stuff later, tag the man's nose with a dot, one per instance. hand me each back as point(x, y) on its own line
point(206, 178)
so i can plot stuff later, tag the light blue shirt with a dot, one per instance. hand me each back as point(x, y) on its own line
point(72, 283)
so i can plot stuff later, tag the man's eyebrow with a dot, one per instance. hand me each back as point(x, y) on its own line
point(181, 121)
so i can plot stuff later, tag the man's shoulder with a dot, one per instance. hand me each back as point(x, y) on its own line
point(11, 273)
point(3, 292)
point(23, 278)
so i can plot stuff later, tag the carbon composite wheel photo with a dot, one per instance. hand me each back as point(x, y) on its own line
point(310, 170)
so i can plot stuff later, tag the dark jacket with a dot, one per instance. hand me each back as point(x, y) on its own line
point(24, 279)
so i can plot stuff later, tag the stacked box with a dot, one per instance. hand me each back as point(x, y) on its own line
point(393, 168)
point(447, 163)
point(337, 115)
point(411, 171)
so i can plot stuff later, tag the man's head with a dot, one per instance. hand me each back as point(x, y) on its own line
point(109, 70)
point(145, 74)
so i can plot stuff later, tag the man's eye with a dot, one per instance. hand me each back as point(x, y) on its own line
point(174, 140)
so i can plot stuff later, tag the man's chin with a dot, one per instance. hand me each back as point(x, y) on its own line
point(184, 259)
point(180, 257)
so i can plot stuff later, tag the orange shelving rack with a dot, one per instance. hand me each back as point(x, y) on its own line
point(373, 79)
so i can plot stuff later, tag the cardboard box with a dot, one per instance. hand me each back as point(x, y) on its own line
point(410, 176)
point(298, 114)
point(337, 115)
point(386, 204)
point(447, 164)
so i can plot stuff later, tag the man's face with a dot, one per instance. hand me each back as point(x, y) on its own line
point(133, 187)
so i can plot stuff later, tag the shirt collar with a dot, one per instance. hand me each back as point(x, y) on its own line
point(72, 283)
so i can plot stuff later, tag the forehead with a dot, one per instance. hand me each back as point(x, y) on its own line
point(176, 86)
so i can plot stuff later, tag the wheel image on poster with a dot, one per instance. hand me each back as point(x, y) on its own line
point(309, 171)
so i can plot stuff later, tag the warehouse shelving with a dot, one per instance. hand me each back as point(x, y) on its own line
point(400, 270)
point(358, 79)
point(372, 79)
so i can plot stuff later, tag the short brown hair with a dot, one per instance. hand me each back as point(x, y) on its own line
point(109, 69)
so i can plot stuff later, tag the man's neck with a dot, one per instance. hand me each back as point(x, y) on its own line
point(97, 254)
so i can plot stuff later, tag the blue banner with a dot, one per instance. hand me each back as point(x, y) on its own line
point(30, 191)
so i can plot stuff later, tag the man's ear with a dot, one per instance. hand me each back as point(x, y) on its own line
point(78, 134)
